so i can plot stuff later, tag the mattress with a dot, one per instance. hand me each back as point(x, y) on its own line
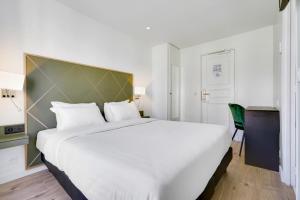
point(43, 136)
point(143, 159)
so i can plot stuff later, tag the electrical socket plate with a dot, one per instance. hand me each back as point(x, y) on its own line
point(3, 93)
point(8, 93)
point(18, 128)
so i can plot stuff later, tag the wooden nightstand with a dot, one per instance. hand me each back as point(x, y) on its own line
point(12, 140)
point(142, 114)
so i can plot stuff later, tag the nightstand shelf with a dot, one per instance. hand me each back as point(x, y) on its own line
point(12, 140)
point(142, 114)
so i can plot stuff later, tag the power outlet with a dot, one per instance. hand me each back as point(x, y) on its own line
point(18, 128)
point(3, 93)
point(8, 93)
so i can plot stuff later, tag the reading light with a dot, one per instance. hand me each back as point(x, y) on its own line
point(283, 4)
point(148, 28)
point(139, 91)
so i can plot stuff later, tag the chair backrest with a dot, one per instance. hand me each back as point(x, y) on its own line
point(238, 114)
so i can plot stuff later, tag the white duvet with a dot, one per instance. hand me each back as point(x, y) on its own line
point(145, 159)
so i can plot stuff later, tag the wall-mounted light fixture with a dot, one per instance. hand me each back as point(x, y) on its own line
point(283, 4)
point(138, 92)
point(9, 83)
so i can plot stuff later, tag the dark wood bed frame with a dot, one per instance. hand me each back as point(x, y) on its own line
point(76, 194)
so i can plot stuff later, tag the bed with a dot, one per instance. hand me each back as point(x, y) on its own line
point(129, 160)
point(137, 159)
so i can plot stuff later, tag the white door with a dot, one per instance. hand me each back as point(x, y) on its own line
point(217, 87)
point(174, 105)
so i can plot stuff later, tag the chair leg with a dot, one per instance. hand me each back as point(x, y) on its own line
point(234, 133)
point(242, 144)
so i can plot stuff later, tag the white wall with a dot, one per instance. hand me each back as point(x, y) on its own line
point(51, 29)
point(277, 72)
point(277, 63)
point(253, 70)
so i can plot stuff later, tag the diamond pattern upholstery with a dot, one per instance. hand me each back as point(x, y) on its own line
point(54, 80)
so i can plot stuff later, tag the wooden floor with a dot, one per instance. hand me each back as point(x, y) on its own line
point(245, 182)
point(241, 182)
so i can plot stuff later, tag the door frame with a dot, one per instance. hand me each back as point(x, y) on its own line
point(285, 97)
point(294, 93)
point(290, 166)
point(295, 49)
point(234, 75)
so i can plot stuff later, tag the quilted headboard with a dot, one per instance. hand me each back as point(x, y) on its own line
point(55, 80)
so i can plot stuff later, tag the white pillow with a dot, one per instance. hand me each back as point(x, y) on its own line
point(73, 117)
point(107, 111)
point(124, 111)
point(62, 104)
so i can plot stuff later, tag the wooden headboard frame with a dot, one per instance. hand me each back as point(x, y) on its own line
point(50, 79)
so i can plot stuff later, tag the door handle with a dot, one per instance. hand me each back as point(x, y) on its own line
point(204, 94)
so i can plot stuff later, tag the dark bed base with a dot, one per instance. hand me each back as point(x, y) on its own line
point(76, 194)
point(210, 188)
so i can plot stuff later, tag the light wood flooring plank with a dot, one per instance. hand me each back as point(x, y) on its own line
point(245, 182)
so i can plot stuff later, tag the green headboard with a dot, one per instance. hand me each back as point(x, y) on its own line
point(55, 80)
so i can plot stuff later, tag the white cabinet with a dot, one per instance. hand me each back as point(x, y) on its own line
point(166, 73)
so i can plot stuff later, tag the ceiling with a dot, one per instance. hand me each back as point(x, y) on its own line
point(181, 22)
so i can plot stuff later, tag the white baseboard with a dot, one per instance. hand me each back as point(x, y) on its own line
point(283, 177)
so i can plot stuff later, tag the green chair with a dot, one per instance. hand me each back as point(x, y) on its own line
point(238, 114)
